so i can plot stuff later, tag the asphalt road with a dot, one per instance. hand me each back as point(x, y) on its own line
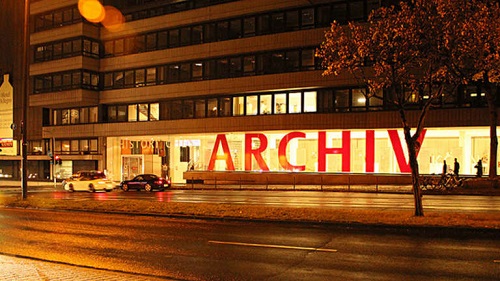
point(317, 199)
point(215, 250)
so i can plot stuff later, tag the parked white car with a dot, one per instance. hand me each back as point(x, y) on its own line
point(91, 181)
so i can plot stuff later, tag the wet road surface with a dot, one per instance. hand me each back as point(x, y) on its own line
point(183, 249)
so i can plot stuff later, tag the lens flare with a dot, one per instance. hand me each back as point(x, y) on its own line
point(113, 20)
point(91, 10)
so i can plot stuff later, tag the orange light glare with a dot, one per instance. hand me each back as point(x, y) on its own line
point(91, 10)
point(113, 20)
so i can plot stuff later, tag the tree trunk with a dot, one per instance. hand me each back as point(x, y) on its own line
point(490, 97)
point(412, 154)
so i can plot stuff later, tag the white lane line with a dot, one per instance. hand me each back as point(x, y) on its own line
point(273, 246)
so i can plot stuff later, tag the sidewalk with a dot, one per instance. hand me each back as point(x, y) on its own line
point(406, 189)
point(25, 269)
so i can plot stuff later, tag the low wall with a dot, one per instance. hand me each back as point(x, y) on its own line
point(292, 178)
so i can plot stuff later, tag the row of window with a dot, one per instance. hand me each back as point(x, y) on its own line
point(58, 18)
point(260, 24)
point(292, 102)
point(133, 112)
point(220, 68)
point(67, 48)
point(81, 115)
point(164, 9)
point(248, 26)
point(71, 15)
point(76, 146)
point(237, 66)
point(62, 81)
point(64, 146)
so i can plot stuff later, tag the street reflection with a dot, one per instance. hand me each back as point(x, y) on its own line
point(163, 196)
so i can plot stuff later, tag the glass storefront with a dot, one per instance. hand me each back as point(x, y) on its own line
point(330, 151)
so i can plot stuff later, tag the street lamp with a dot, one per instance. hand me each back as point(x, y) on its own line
point(25, 82)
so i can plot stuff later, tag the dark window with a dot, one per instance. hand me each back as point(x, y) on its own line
point(292, 20)
point(249, 27)
point(235, 67)
point(307, 17)
point(173, 38)
point(225, 106)
point(278, 22)
point(173, 73)
point(151, 42)
point(185, 36)
point(162, 40)
point(222, 31)
point(235, 29)
point(187, 109)
point(185, 72)
point(197, 34)
point(210, 32)
point(339, 12)
point(200, 108)
point(263, 24)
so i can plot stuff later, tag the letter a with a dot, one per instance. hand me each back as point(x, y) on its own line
point(221, 140)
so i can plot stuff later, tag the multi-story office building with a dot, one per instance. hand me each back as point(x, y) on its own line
point(219, 85)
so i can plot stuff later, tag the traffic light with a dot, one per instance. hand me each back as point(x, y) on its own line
point(51, 160)
point(57, 160)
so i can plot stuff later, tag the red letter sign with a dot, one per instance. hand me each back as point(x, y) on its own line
point(370, 151)
point(404, 167)
point(345, 150)
point(282, 151)
point(221, 139)
point(255, 152)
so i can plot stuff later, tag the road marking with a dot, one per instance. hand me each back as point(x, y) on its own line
point(496, 261)
point(274, 246)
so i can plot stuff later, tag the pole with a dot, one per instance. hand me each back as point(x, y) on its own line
point(53, 146)
point(25, 80)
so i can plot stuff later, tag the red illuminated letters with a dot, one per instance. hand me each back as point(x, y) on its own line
point(221, 140)
point(282, 152)
point(323, 151)
point(249, 151)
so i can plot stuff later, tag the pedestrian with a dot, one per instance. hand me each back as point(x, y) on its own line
point(479, 167)
point(445, 167)
point(456, 167)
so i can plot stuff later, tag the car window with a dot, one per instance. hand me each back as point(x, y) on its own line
point(139, 178)
point(99, 176)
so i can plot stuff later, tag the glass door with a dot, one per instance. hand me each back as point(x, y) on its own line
point(131, 166)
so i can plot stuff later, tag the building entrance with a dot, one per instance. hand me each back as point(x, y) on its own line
point(132, 165)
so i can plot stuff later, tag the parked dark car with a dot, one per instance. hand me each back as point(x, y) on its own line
point(148, 182)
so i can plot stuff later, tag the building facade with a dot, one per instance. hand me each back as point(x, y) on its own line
point(219, 86)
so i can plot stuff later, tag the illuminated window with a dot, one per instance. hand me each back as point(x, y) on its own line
point(238, 106)
point(143, 111)
point(358, 99)
point(132, 112)
point(154, 111)
point(310, 102)
point(265, 104)
point(251, 105)
point(279, 103)
point(295, 102)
